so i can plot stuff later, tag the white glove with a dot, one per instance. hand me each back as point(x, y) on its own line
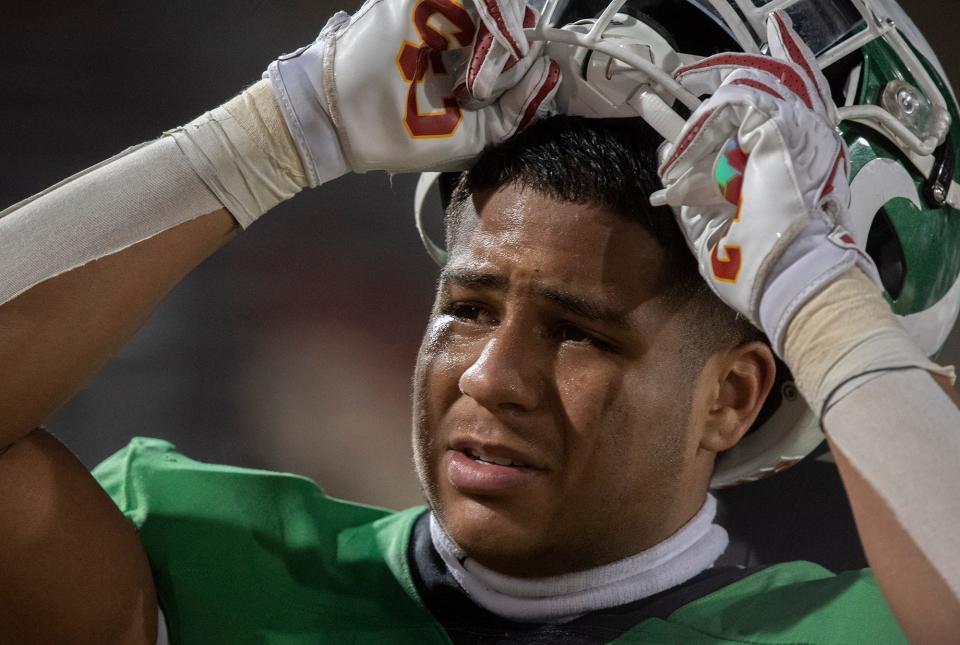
point(760, 173)
point(412, 85)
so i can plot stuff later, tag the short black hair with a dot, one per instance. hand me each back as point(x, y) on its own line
point(610, 163)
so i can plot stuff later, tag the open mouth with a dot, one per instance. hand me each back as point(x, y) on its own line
point(493, 461)
point(476, 468)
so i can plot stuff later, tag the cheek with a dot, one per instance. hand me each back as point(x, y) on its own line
point(440, 364)
point(621, 420)
point(590, 393)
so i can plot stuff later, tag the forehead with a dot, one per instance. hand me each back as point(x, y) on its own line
point(528, 235)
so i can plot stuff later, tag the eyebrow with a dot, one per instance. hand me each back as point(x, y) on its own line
point(577, 305)
point(474, 279)
point(584, 307)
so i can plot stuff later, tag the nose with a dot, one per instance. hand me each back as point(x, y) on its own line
point(505, 377)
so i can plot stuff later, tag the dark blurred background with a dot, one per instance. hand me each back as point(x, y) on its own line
point(293, 348)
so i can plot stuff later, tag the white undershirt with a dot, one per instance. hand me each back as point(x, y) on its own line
point(559, 599)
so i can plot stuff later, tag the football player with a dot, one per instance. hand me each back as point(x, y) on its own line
point(603, 338)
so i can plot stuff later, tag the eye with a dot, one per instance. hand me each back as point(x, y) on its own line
point(467, 311)
point(567, 333)
point(570, 333)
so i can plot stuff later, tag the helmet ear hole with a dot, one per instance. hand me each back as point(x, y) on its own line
point(883, 245)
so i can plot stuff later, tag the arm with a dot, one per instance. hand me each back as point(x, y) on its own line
point(59, 332)
point(923, 602)
point(83, 264)
point(891, 418)
point(74, 570)
point(801, 277)
point(918, 595)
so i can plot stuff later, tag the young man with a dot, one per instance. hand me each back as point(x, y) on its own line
point(574, 385)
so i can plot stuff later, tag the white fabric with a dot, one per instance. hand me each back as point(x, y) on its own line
point(245, 155)
point(308, 120)
point(559, 599)
point(902, 434)
point(396, 105)
point(847, 331)
point(163, 637)
point(113, 205)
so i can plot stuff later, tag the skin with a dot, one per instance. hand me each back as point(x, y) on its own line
point(73, 569)
point(620, 434)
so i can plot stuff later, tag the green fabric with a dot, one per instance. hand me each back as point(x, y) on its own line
point(794, 602)
point(248, 556)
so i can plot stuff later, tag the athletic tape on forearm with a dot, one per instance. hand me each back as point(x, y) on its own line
point(100, 211)
point(239, 156)
point(244, 153)
point(861, 371)
point(845, 332)
point(900, 432)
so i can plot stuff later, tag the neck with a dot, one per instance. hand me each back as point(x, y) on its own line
point(558, 599)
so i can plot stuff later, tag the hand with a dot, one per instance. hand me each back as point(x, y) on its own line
point(760, 176)
point(414, 85)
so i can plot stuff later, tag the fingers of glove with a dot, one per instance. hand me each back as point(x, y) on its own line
point(746, 100)
point(785, 43)
point(705, 229)
point(504, 20)
point(696, 186)
point(493, 68)
point(708, 75)
point(801, 146)
point(715, 121)
point(704, 132)
point(835, 196)
point(523, 103)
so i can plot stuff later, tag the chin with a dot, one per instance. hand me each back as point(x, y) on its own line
point(498, 535)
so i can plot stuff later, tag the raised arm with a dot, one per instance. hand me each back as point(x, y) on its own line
point(775, 248)
point(83, 264)
point(892, 422)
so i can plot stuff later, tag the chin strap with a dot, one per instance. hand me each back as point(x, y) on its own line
point(560, 599)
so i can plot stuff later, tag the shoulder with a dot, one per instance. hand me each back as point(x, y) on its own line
point(239, 551)
point(151, 482)
point(795, 602)
point(73, 569)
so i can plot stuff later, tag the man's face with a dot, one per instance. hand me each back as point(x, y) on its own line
point(552, 430)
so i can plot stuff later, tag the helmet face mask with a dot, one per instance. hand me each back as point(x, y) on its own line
point(899, 118)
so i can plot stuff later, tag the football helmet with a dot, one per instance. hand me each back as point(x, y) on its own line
point(899, 119)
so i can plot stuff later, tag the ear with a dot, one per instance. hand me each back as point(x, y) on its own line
point(734, 386)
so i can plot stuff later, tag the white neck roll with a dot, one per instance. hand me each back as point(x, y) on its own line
point(559, 599)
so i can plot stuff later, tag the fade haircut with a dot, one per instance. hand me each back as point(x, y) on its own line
point(610, 163)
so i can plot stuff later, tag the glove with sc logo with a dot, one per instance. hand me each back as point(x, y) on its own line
point(759, 176)
point(406, 85)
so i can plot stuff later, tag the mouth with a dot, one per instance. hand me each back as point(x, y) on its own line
point(484, 458)
point(478, 468)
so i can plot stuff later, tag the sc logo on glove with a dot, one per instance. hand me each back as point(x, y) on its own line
point(414, 60)
point(728, 170)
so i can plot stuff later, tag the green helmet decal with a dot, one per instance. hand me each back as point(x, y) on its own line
point(906, 232)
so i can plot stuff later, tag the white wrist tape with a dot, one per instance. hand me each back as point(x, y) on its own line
point(844, 333)
point(899, 431)
point(861, 371)
point(244, 153)
point(239, 156)
point(117, 203)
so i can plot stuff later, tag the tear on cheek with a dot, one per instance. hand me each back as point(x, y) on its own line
point(438, 331)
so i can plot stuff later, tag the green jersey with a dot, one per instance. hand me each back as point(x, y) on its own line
point(250, 556)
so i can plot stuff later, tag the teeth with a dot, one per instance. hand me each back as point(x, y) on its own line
point(490, 460)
